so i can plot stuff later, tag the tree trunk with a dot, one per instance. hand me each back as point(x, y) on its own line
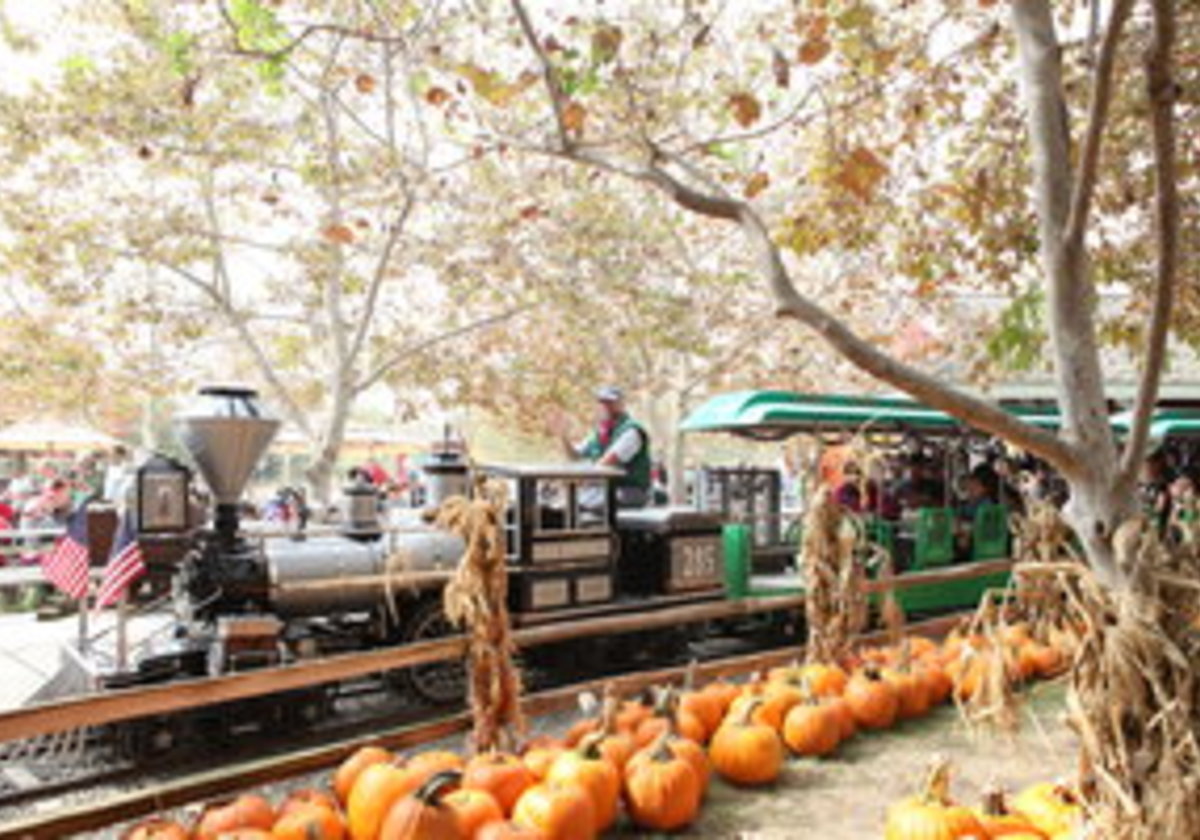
point(320, 473)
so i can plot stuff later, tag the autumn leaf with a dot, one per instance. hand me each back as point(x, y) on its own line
point(530, 212)
point(338, 234)
point(493, 87)
point(364, 83)
point(813, 50)
point(746, 109)
point(437, 96)
point(758, 182)
point(861, 172)
point(606, 42)
point(573, 117)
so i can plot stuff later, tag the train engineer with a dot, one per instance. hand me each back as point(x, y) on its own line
point(617, 441)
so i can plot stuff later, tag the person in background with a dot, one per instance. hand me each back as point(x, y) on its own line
point(855, 494)
point(118, 475)
point(376, 473)
point(617, 441)
point(8, 514)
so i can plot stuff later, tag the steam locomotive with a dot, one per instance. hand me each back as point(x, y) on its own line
point(242, 601)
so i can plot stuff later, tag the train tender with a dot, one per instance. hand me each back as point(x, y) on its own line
point(241, 600)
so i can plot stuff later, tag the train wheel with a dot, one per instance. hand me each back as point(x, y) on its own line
point(438, 683)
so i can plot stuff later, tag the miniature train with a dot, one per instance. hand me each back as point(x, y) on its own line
point(242, 601)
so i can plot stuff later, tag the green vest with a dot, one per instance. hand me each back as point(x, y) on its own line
point(637, 471)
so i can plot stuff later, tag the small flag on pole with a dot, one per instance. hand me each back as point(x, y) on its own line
point(125, 565)
point(66, 565)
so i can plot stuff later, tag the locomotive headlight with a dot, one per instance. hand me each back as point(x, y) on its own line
point(161, 499)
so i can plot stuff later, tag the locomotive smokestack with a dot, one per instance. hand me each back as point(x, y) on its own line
point(226, 431)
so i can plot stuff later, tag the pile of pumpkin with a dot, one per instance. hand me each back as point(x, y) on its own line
point(654, 760)
point(1044, 811)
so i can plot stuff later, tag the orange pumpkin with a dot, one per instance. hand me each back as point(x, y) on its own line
point(662, 789)
point(930, 815)
point(560, 811)
point(246, 811)
point(911, 693)
point(503, 776)
point(157, 829)
point(309, 796)
point(840, 709)
point(424, 766)
point(349, 770)
point(586, 767)
point(938, 686)
point(690, 726)
point(377, 789)
point(423, 814)
point(539, 760)
point(631, 714)
point(246, 834)
point(744, 752)
point(826, 679)
point(502, 830)
point(617, 746)
point(474, 809)
point(723, 694)
point(1048, 661)
point(702, 710)
point(812, 728)
point(921, 646)
point(873, 700)
point(308, 821)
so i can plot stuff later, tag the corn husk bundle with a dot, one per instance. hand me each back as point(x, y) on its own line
point(477, 598)
point(831, 556)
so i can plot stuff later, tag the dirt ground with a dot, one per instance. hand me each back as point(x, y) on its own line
point(845, 797)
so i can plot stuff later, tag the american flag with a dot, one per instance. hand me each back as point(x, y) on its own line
point(125, 565)
point(66, 565)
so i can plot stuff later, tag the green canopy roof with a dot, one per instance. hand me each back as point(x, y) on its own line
point(1166, 422)
point(779, 414)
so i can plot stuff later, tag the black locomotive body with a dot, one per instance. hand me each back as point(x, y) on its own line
point(241, 599)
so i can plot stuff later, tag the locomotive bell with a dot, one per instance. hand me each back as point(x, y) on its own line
point(226, 431)
point(361, 513)
point(446, 475)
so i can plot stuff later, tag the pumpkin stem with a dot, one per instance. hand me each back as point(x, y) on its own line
point(689, 676)
point(608, 711)
point(995, 802)
point(589, 745)
point(660, 749)
point(432, 791)
point(665, 701)
point(743, 715)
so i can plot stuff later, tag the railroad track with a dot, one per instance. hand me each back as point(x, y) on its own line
point(62, 818)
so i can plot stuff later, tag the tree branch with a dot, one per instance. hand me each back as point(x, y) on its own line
point(1162, 94)
point(377, 279)
point(235, 320)
point(381, 370)
point(549, 74)
point(1101, 97)
point(1069, 292)
point(791, 303)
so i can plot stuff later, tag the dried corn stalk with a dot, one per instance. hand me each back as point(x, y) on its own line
point(835, 604)
point(1135, 697)
point(995, 702)
point(477, 597)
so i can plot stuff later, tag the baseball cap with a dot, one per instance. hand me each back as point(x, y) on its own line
point(609, 393)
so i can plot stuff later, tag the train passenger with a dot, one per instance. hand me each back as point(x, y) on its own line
point(617, 441)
